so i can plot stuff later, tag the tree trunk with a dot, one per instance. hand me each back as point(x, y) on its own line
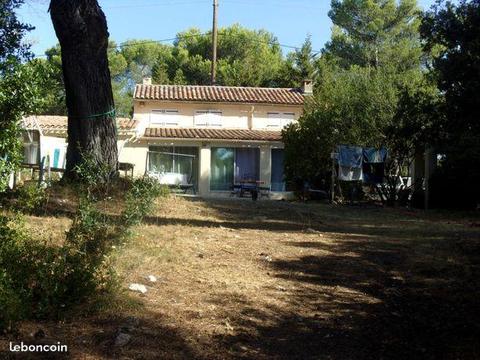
point(81, 28)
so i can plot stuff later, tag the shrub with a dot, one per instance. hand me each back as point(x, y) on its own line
point(31, 198)
point(11, 304)
point(92, 177)
point(88, 244)
point(140, 200)
point(42, 281)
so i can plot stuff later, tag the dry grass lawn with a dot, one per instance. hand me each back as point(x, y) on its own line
point(268, 280)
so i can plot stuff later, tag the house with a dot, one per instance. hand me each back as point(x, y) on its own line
point(45, 137)
point(207, 138)
point(212, 137)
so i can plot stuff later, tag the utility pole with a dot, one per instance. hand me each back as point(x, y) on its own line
point(214, 43)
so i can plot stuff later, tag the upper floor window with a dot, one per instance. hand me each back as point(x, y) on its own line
point(280, 119)
point(164, 117)
point(208, 118)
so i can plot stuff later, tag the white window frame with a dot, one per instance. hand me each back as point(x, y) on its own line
point(169, 116)
point(208, 121)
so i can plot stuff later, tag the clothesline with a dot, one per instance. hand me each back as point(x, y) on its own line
point(356, 163)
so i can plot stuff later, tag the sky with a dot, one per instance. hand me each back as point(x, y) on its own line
point(289, 20)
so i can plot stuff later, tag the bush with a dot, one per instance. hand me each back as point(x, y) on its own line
point(88, 243)
point(11, 304)
point(41, 281)
point(140, 200)
point(31, 198)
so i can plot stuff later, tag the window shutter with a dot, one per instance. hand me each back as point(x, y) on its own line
point(287, 118)
point(274, 119)
point(208, 118)
point(201, 118)
point(164, 117)
point(215, 118)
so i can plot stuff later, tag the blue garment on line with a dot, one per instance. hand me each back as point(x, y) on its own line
point(350, 156)
point(375, 156)
point(374, 165)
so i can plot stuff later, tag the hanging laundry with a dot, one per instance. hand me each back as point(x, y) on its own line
point(374, 165)
point(346, 173)
point(374, 156)
point(350, 160)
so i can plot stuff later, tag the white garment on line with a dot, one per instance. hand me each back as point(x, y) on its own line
point(347, 173)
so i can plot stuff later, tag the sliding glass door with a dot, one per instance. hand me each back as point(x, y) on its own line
point(230, 166)
point(221, 169)
point(247, 164)
point(278, 177)
point(174, 164)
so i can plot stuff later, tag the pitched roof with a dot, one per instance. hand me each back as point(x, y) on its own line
point(213, 134)
point(221, 94)
point(59, 123)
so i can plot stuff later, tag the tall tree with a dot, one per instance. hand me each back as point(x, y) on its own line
point(141, 57)
point(53, 87)
point(81, 28)
point(453, 30)
point(374, 57)
point(374, 32)
point(17, 88)
point(299, 65)
point(245, 58)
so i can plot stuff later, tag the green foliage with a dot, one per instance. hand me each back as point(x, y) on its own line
point(11, 304)
point(371, 91)
point(12, 31)
point(91, 173)
point(350, 107)
point(245, 58)
point(53, 88)
point(18, 90)
point(299, 66)
point(31, 198)
point(140, 200)
point(453, 32)
point(89, 228)
point(375, 33)
point(41, 281)
point(19, 94)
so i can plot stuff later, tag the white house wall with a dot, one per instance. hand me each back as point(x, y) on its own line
point(234, 116)
point(48, 144)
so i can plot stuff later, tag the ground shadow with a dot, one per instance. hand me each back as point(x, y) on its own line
point(398, 290)
point(152, 337)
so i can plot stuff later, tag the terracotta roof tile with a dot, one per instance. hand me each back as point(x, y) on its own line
point(228, 94)
point(59, 123)
point(213, 134)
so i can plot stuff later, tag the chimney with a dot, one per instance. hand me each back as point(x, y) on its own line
point(147, 81)
point(307, 87)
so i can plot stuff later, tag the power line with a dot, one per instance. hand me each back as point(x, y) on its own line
point(143, 42)
point(155, 5)
point(146, 42)
point(281, 4)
